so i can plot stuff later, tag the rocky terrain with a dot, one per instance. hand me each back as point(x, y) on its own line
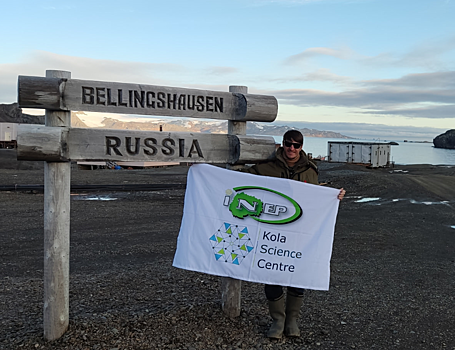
point(392, 268)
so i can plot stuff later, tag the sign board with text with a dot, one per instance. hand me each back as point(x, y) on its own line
point(39, 142)
point(111, 97)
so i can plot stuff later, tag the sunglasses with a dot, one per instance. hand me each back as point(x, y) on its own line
point(295, 144)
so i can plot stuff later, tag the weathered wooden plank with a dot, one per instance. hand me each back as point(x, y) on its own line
point(41, 142)
point(125, 98)
point(231, 292)
point(255, 149)
point(60, 144)
point(56, 248)
point(56, 227)
point(231, 289)
point(40, 92)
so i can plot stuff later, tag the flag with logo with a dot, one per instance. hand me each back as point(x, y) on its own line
point(257, 228)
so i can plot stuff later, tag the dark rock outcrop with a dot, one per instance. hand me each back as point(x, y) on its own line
point(446, 140)
point(11, 113)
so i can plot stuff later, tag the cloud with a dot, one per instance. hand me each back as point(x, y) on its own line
point(425, 95)
point(365, 98)
point(216, 70)
point(419, 95)
point(422, 95)
point(432, 111)
point(343, 54)
point(36, 64)
point(427, 54)
point(426, 81)
point(320, 75)
point(93, 69)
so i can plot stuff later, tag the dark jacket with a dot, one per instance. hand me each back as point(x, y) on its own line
point(304, 170)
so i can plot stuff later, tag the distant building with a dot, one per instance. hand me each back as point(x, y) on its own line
point(374, 154)
point(8, 135)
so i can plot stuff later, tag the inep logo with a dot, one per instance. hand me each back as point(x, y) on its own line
point(243, 204)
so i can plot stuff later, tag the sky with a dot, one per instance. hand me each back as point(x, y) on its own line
point(382, 69)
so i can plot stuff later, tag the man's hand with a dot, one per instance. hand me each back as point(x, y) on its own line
point(341, 194)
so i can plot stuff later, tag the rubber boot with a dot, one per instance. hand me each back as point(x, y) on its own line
point(277, 311)
point(293, 304)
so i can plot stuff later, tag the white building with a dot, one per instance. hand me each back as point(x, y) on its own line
point(8, 135)
point(374, 154)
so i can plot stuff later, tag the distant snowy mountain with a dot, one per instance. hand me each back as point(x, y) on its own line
point(278, 130)
point(212, 127)
point(13, 114)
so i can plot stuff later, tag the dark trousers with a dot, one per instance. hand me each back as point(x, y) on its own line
point(273, 292)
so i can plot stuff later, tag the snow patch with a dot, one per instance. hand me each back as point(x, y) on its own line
point(364, 200)
point(94, 198)
point(429, 203)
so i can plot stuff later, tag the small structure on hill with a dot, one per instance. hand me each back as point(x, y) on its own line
point(374, 154)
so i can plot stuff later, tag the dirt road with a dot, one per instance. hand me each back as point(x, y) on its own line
point(392, 283)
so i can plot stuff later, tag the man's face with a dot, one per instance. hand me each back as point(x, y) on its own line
point(290, 149)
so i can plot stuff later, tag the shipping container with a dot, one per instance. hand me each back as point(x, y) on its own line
point(374, 154)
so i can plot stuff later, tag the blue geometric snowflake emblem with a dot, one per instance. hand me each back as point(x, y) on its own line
point(231, 243)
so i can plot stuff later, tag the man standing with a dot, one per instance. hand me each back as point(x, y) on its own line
point(290, 162)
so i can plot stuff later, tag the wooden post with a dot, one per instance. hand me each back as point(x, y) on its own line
point(56, 232)
point(231, 289)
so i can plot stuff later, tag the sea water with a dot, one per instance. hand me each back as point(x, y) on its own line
point(404, 153)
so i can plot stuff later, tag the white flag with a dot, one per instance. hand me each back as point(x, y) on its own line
point(257, 228)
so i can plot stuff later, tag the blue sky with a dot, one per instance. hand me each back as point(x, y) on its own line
point(378, 67)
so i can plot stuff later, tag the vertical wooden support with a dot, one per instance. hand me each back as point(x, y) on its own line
point(56, 232)
point(231, 289)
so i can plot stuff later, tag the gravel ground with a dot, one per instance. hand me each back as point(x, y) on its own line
point(392, 283)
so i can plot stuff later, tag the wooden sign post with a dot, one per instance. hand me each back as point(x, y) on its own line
point(231, 289)
point(57, 188)
point(57, 144)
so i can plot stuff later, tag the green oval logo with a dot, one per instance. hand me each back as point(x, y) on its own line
point(243, 205)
